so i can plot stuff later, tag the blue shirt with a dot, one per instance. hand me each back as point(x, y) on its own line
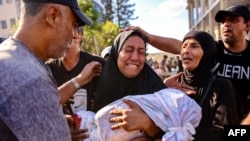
point(30, 108)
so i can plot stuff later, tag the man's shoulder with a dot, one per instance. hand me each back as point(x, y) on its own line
point(248, 43)
point(92, 57)
point(219, 43)
point(222, 80)
point(88, 54)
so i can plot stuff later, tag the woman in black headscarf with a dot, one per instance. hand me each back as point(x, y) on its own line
point(126, 72)
point(216, 96)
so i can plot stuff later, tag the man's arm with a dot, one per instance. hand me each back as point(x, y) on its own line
point(70, 87)
point(167, 44)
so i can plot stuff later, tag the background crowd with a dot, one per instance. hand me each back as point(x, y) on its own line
point(166, 66)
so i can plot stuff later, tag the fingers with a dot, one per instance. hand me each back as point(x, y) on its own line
point(70, 121)
point(97, 72)
point(133, 28)
point(172, 80)
point(186, 89)
point(185, 86)
point(189, 92)
point(116, 111)
point(97, 68)
point(118, 115)
point(93, 68)
point(78, 131)
point(119, 119)
point(119, 126)
point(130, 103)
point(120, 123)
point(178, 75)
point(95, 64)
point(79, 134)
point(127, 28)
point(127, 118)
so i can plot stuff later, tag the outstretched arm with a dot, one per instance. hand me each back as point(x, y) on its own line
point(167, 44)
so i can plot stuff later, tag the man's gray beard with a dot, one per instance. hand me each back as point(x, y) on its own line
point(228, 40)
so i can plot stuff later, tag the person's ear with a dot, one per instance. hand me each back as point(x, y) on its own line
point(248, 26)
point(51, 14)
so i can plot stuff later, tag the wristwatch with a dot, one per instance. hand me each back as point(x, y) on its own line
point(75, 83)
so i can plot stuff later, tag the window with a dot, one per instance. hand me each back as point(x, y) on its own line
point(8, 1)
point(3, 24)
point(12, 22)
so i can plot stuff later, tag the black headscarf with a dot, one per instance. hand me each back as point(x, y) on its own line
point(114, 85)
point(200, 76)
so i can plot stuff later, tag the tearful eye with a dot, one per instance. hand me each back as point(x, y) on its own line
point(128, 50)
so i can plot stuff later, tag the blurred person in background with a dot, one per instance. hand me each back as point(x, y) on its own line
point(67, 68)
point(106, 52)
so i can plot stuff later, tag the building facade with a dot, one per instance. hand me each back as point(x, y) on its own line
point(100, 8)
point(201, 14)
point(10, 13)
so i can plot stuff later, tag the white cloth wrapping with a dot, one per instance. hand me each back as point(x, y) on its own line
point(170, 109)
point(88, 121)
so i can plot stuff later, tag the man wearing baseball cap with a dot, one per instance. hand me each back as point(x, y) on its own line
point(73, 5)
point(31, 106)
point(233, 11)
point(233, 51)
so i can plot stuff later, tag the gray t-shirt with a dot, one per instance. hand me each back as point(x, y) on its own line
point(30, 108)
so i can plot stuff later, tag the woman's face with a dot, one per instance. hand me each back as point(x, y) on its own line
point(191, 54)
point(132, 56)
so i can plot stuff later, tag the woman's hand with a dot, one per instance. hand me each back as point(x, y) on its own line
point(143, 32)
point(133, 118)
point(172, 82)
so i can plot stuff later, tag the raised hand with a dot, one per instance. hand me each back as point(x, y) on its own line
point(172, 82)
point(91, 70)
point(146, 34)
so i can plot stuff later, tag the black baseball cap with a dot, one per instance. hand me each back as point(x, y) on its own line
point(238, 10)
point(83, 19)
